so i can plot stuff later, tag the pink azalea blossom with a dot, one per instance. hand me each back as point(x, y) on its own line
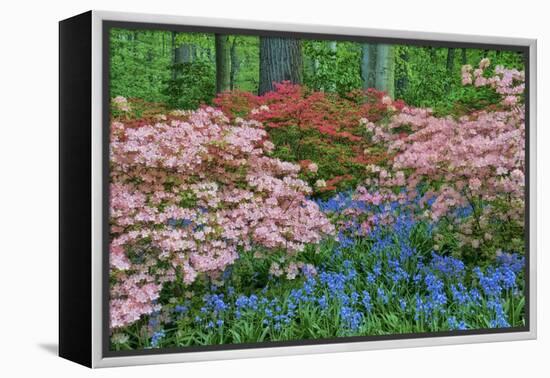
point(188, 194)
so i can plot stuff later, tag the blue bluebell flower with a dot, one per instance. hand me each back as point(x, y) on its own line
point(500, 320)
point(157, 338)
point(382, 295)
point(366, 301)
point(514, 261)
point(322, 302)
point(352, 319)
point(181, 309)
point(489, 281)
point(460, 294)
point(447, 265)
point(456, 325)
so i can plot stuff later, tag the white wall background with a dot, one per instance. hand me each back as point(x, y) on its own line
point(28, 186)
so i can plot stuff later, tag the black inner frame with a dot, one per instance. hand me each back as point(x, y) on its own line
point(107, 25)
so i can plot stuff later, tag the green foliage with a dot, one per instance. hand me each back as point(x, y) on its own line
point(426, 78)
point(462, 100)
point(142, 66)
point(335, 159)
point(492, 237)
point(248, 69)
point(194, 84)
point(139, 64)
point(332, 66)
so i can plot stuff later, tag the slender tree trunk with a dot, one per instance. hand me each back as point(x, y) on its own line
point(210, 56)
point(174, 70)
point(368, 65)
point(184, 54)
point(309, 65)
point(450, 60)
point(235, 63)
point(402, 82)
point(450, 68)
point(280, 60)
point(333, 48)
point(464, 57)
point(150, 52)
point(316, 65)
point(385, 69)
point(433, 54)
point(134, 42)
point(222, 63)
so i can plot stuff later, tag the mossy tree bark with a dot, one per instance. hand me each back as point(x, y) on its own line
point(222, 63)
point(385, 69)
point(235, 64)
point(280, 60)
point(368, 65)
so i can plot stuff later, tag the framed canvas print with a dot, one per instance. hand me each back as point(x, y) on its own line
point(236, 189)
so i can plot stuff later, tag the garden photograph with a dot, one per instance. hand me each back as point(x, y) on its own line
point(277, 189)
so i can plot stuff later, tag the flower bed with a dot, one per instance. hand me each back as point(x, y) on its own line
point(305, 215)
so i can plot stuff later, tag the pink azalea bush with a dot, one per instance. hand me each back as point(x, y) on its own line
point(187, 195)
point(476, 161)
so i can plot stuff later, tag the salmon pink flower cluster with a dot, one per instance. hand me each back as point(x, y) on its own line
point(188, 195)
point(477, 160)
point(510, 83)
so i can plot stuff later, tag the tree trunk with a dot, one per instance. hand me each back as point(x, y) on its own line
point(222, 63)
point(280, 60)
point(316, 65)
point(464, 58)
point(368, 65)
point(211, 58)
point(174, 70)
point(402, 82)
point(450, 68)
point(433, 54)
point(333, 48)
point(450, 60)
point(385, 69)
point(235, 63)
point(184, 54)
point(309, 65)
point(134, 42)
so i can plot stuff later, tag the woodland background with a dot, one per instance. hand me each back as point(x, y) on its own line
point(184, 70)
